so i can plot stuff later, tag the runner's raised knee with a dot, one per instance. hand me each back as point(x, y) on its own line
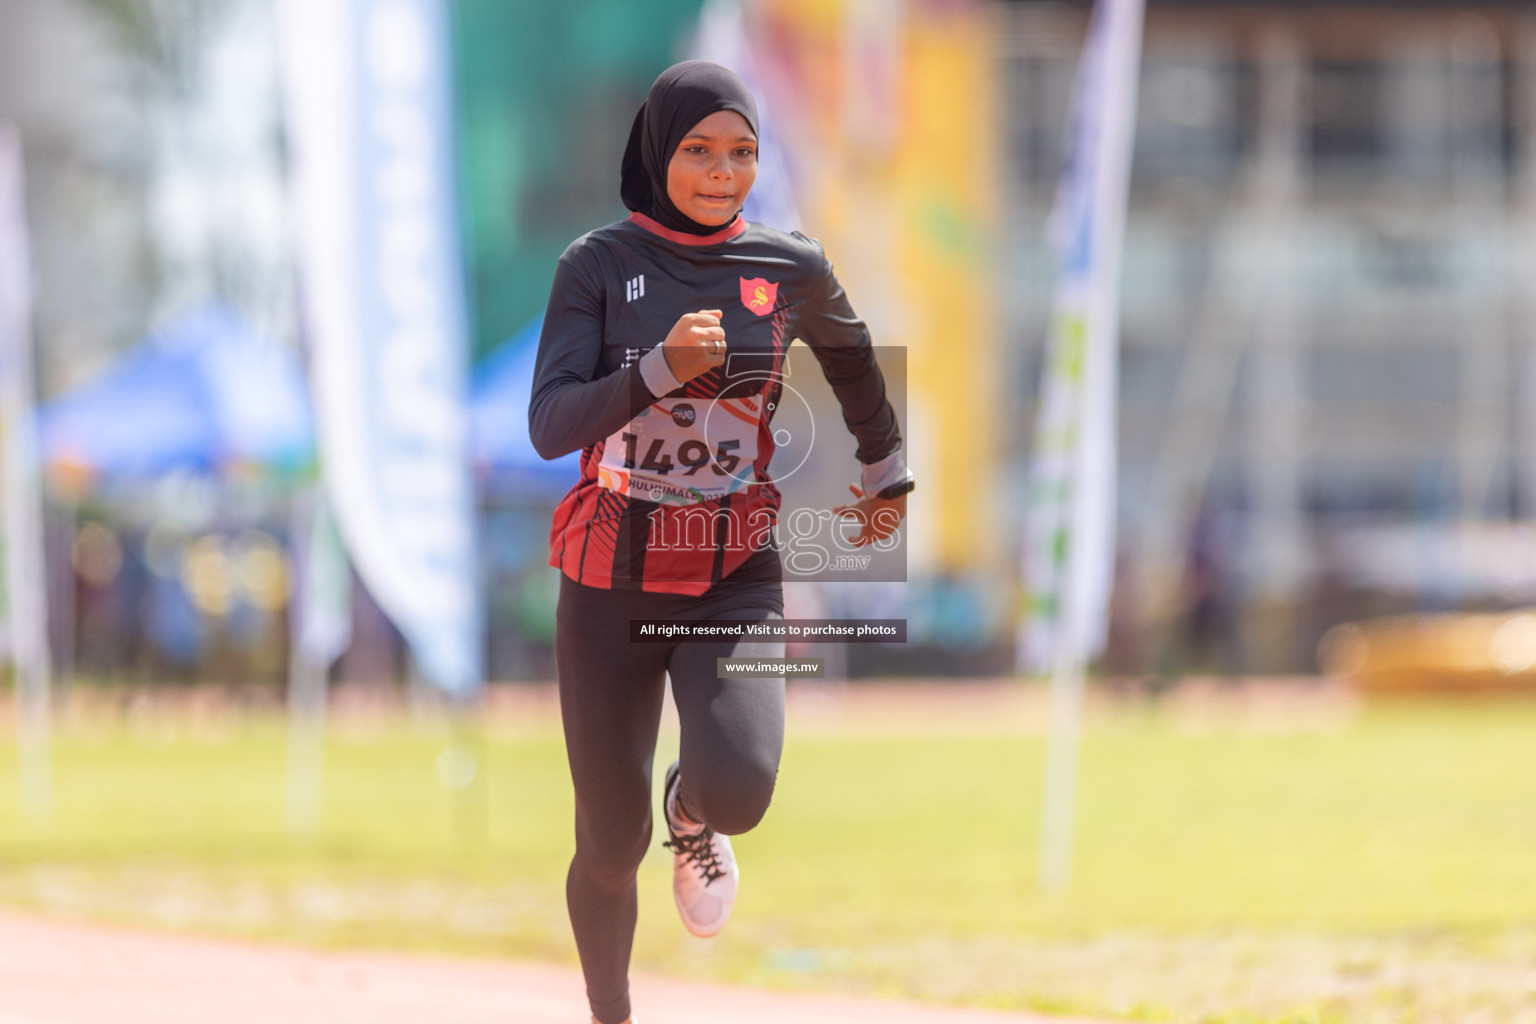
point(732, 803)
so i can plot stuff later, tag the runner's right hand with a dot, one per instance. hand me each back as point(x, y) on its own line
point(876, 517)
point(695, 345)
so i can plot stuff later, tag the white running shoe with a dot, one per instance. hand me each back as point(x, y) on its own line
point(704, 872)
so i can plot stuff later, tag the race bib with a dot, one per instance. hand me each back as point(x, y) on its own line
point(684, 451)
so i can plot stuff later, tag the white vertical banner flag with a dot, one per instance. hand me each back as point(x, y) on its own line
point(24, 579)
point(321, 629)
point(369, 113)
point(1069, 543)
point(1070, 509)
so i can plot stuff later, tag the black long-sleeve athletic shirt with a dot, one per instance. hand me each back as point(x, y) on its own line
point(674, 491)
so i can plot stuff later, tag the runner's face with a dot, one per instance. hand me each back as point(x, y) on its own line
point(713, 169)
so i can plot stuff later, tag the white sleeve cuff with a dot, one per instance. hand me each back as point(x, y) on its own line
point(890, 470)
point(657, 374)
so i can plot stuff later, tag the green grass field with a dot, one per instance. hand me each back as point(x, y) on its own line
point(1379, 868)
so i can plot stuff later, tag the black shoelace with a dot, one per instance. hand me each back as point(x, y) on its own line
point(699, 851)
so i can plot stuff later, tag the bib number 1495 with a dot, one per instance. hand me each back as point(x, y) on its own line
point(661, 454)
point(692, 456)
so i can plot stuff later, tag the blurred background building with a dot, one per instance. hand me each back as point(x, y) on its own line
point(1329, 334)
point(1327, 331)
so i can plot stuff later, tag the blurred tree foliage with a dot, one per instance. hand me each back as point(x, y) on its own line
point(168, 36)
point(191, 248)
point(545, 94)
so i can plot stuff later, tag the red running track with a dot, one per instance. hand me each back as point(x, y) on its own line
point(58, 973)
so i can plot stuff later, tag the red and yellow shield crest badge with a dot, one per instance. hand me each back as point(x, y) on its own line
point(759, 295)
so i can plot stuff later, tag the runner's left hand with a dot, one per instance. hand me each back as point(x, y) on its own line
point(876, 516)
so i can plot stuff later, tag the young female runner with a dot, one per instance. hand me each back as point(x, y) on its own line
point(669, 518)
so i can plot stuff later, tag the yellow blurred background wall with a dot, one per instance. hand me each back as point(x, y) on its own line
point(895, 132)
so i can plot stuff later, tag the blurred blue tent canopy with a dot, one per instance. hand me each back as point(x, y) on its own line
point(204, 392)
point(208, 390)
point(499, 397)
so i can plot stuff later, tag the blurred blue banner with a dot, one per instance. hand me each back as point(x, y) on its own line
point(370, 125)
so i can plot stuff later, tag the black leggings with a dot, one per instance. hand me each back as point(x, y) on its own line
point(732, 733)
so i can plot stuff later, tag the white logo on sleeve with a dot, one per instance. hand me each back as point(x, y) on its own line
point(634, 288)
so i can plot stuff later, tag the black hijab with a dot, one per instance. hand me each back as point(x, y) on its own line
point(682, 96)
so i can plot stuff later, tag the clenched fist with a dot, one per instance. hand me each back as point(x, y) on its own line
point(695, 345)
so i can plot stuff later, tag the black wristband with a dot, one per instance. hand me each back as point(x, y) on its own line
point(896, 490)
